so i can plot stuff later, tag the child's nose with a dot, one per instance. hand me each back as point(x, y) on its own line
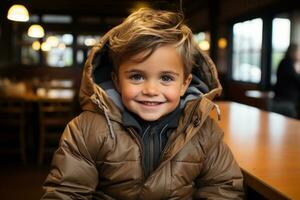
point(150, 88)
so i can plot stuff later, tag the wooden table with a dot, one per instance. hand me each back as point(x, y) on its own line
point(31, 105)
point(266, 146)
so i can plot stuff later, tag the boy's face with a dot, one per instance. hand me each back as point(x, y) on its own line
point(152, 88)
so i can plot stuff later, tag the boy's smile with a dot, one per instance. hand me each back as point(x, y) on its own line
point(152, 88)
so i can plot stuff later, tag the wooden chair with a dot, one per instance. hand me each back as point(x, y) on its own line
point(54, 114)
point(12, 131)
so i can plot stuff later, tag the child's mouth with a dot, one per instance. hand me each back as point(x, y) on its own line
point(150, 103)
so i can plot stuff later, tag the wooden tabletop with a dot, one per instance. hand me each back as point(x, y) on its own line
point(266, 146)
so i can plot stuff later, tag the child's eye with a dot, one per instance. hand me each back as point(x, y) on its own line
point(167, 78)
point(136, 77)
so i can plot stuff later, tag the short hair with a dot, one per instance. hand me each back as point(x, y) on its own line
point(146, 30)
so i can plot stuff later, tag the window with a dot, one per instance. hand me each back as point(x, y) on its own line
point(29, 54)
point(53, 49)
point(280, 42)
point(247, 42)
point(85, 43)
point(59, 52)
point(56, 50)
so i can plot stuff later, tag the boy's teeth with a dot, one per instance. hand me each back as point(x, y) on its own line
point(150, 103)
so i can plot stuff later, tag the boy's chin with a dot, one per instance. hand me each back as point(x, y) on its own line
point(151, 117)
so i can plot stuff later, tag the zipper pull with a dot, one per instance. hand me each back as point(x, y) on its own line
point(196, 121)
point(105, 111)
point(218, 111)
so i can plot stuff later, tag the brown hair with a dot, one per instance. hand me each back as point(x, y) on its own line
point(145, 30)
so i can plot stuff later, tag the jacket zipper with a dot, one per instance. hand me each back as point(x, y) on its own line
point(182, 130)
point(139, 142)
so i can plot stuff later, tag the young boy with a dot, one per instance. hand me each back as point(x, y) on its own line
point(145, 130)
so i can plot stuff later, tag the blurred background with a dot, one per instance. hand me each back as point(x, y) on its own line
point(44, 45)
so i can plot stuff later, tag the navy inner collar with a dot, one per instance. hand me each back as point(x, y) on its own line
point(132, 120)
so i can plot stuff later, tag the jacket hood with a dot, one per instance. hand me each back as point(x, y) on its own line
point(98, 94)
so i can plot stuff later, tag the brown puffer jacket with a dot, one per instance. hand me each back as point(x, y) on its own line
point(100, 159)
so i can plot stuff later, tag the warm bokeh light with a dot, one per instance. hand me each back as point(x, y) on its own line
point(204, 45)
point(45, 46)
point(52, 41)
point(222, 43)
point(36, 45)
point(89, 41)
point(18, 13)
point(140, 5)
point(61, 46)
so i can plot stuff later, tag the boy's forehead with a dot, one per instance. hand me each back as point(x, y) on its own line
point(145, 53)
point(163, 53)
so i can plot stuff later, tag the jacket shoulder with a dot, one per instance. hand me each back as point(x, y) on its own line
point(92, 128)
point(92, 123)
point(209, 134)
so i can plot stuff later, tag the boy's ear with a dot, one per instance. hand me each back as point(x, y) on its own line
point(115, 79)
point(186, 84)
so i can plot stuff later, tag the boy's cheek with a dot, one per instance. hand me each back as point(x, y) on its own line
point(171, 95)
point(128, 91)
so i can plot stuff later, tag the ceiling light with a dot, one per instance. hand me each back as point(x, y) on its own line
point(36, 31)
point(18, 13)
